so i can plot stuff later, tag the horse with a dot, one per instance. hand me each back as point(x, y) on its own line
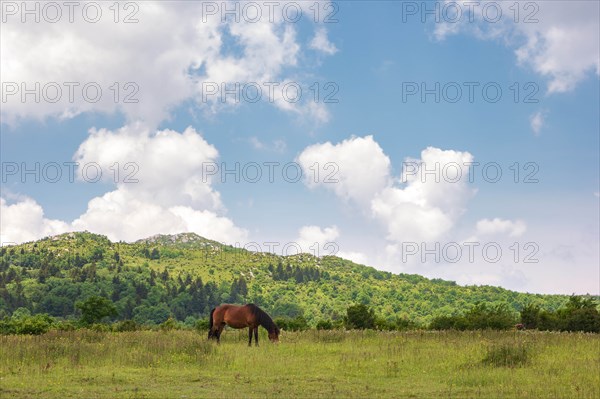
point(241, 316)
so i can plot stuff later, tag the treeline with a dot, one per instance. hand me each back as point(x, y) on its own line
point(579, 314)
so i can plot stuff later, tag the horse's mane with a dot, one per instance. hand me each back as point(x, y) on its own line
point(264, 319)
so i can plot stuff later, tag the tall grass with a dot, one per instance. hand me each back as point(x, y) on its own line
point(316, 364)
point(508, 355)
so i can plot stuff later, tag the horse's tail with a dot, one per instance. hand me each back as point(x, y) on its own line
point(210, 323)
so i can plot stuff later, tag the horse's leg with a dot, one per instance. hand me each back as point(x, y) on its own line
point(250, 336)
point(256, 335)
point(218, 333)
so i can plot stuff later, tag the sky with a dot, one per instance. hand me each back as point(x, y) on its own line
point(455, 140)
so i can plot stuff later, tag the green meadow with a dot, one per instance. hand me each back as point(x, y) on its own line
point(308, 364)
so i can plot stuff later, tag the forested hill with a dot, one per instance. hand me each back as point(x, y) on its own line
point(185, 275)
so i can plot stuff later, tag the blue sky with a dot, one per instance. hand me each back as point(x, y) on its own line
point(372, 57)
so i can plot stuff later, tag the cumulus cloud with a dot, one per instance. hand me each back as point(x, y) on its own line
point(24, 221)
point(166, 191)
point(500, 226)
point(418, 206)
point(164, 167)
point(426, 205)
point(559, 40)
point(143, 69)
point(355, 169)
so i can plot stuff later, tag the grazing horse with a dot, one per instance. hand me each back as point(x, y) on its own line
point(236, 316)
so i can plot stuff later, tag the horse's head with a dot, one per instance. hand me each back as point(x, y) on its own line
point(274, 334)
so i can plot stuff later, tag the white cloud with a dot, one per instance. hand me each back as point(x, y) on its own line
point(536, 121)
point(171, 167)
point(173, 194)
point(418, 209)
point(427, 206)
point(321, 43)
point(318, 241)
point(167, 55)
point(557, 39)
point(500, 226)
point(24, 221)
point(355, 169)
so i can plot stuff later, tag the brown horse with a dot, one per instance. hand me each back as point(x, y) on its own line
point(236, 316)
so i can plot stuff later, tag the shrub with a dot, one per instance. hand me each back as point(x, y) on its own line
point(65, 326)
point(169, 325)
point(99, 327)
point(448, 323)
point(530, 316)
point(584, 319)
point(22, 324)
point(324, 325)
point(360, 317)
point(126, 325)
point(202, 324)
point(190, 322)
point(480, 317)
point(298, 323)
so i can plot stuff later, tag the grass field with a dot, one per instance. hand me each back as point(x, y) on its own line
point(310, 364)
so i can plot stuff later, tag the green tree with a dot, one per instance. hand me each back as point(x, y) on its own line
point(530, 316)
point(96, 308)
point(360, 317)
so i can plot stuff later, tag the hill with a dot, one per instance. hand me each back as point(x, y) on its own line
point(185, 275)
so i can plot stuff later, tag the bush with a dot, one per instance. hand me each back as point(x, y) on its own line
point(405, 324)
point(99, 327)
point(169, 325)
point(360, 317)
point(202, 324)
point(507, 355)
point(394, 325)
point(498, 317)
point(190, 322)
point(480, 317)
point(65, 326)
point(585, 319)
point(530, 316)
point(579, 314)
point(22, 324)
point(324, 325)
point(384, 325)
point(448, 323)
point(298, 323)
point(126, 325)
